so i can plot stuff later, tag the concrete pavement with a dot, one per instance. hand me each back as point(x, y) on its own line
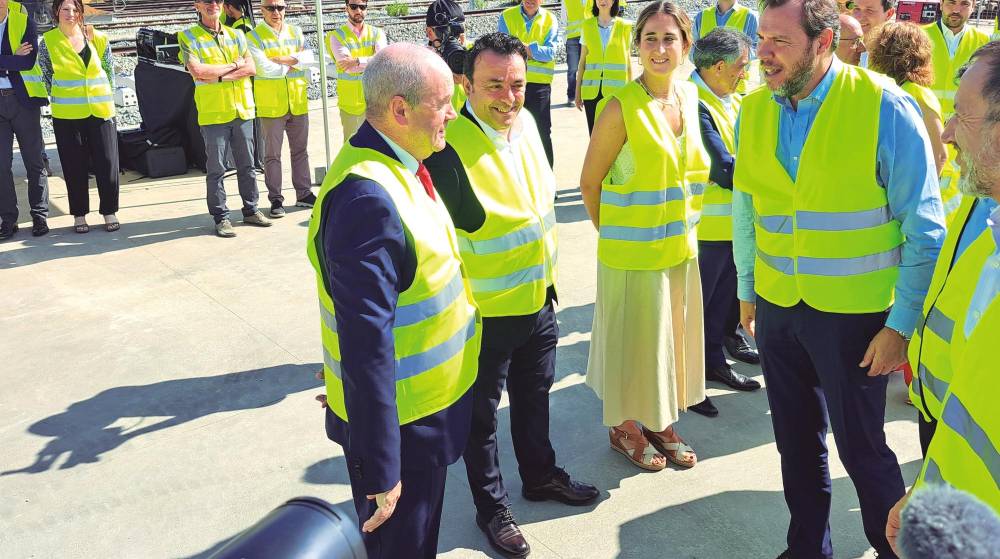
point(158, 397)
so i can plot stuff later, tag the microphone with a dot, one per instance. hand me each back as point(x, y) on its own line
point(941, 522)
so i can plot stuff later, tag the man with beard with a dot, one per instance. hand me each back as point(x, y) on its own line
point(499, 189)
point(352, 46)
point(837, 215)
point(871, 14)
point(963, 298)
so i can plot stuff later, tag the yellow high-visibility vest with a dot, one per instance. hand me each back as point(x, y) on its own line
point(606, 66)
point(511, 258)
point(79, 91)
point(350, 97)
point(950, 196)
point(717, 207)
point(946, 66)
point(219, 102)
point(577, 12)
point(944, 311)
point(17, 23)
point(651, 221)
point(278, 96)
point(538, 72)
point(827, 238)
point(437, 328)
point(737, 21)
point(965, 450)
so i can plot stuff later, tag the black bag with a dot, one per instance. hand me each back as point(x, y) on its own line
point(163, 161)
point(132, 144)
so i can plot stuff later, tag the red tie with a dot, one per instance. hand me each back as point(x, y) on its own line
point(425, 179)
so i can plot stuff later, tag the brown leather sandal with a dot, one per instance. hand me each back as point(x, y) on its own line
point(641, 456)
point(672, 451)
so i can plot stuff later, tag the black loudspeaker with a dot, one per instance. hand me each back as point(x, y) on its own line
point(302, 528)
point(162, 161)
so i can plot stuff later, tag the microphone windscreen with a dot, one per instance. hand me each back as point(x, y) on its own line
point(940, 522)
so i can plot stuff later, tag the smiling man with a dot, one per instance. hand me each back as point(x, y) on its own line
point(352, 46)
point(871, 14)
point(499, 189)
point(837, 223)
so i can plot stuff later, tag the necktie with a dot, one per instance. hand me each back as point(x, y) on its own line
point(425, 179)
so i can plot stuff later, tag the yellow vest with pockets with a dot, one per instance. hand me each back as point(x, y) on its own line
point(17, 23)
point(827, 238)
point(607, 67)
point(577, 12)
point(511, 258)
point(717, 209)
point(350, 96)
point(437, 328)
point(538, 72)
point(277, 97)
point(950, 196)
point(219, 102)
point(650, 222)
point(79, 91)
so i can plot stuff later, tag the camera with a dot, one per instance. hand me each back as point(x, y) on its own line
point(447, 20)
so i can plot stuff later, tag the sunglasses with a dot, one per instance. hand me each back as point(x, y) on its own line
point(361, 7)
point(274, 8)
point(850, 5)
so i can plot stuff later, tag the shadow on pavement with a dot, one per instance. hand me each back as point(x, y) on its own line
point(708, 527)
point(90, 428)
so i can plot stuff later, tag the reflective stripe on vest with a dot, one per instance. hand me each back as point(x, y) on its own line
point(538, 72)
point(717, 211)
point(511, 257)
point(350, 97)
point(958, 418)
point(17, 24)
point(645, 225)
point(606, 66)
point(79, 91)
point(437, 330)
point(276, 97)
point(826, 238)
point(577, 12)
point(219, 102)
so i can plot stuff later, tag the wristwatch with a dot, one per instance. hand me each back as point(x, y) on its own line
point(900, 332)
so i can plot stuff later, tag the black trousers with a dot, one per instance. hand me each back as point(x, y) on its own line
point(718, 291)
point(412, 530)
point(810, 361)
point(83, 143)
point(925, 430)
point(590, 109)
point(538, 101)
point(519, 351)
point(23, 123)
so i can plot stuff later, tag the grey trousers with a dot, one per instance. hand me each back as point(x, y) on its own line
point(238, 136)
point(274, 131)
point(24, 123)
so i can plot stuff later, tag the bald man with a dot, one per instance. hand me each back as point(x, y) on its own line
point(851, 43)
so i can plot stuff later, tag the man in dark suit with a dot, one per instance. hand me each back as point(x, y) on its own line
point(400, 328)
point(22, 94)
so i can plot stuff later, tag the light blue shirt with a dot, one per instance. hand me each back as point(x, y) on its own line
point(904, 167)
point(727, 101)
point(544, 52)
point(988, 285)
point(975, 224)
point(952, 40)
point(404, 156)
point(4, 82)
point(749, 28)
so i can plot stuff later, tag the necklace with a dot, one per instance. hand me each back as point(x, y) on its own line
point(671, 99)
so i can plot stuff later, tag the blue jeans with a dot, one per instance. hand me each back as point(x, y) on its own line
point(572, 64)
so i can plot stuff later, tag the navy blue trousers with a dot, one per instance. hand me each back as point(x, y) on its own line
point(810, 360)
point(412, 530)
point(519, 351)
point(718, 291)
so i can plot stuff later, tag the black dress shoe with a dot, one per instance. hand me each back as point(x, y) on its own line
point(705, 407)
point(561, 488)
point(39, 226)
point(740, 350)
point(7, 230)
point(785, 555)
point(726, 375)
point(504, 534)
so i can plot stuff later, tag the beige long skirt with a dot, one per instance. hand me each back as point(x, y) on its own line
point(647, 350)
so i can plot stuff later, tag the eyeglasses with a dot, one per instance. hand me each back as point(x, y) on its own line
point(211, 1)
point(274, 8)
point(855, 42)
point(361, 7)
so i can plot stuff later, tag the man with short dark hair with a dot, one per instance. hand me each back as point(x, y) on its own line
point(352, 45)
point(499, 189)
point(871, 14)
point(837, 223)
point(233, 16)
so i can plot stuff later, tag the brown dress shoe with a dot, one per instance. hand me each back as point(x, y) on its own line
point(504, 534)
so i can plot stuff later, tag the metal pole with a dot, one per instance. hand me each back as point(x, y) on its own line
point(321, 42)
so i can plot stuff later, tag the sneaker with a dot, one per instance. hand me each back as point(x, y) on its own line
point(39, 226)
point(307, 202)
point(225, 229)
point(257, 219)
point(277, 210)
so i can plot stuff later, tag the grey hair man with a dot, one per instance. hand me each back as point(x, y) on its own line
point(851, 44)
point(721, 59)
point(399, 327)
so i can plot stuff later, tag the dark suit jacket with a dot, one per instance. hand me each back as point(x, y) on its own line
point(723, 162)
point(369, 262)
point(14, 64)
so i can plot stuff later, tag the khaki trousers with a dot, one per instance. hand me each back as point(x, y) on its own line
point(296, 127)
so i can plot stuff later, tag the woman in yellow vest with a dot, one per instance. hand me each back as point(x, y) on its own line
point(605, 57)
point(904, 53)
point(78, 60)
point(642, 183)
